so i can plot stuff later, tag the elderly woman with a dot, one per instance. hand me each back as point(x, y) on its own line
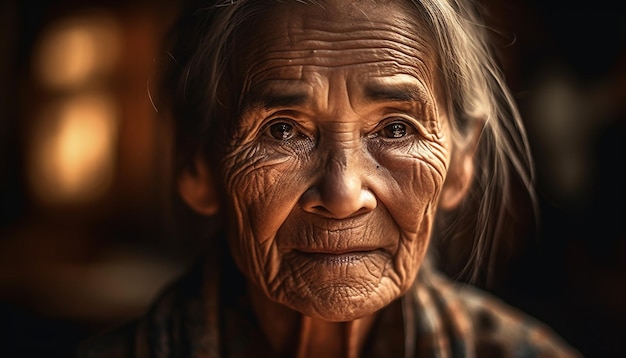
point(333, 140)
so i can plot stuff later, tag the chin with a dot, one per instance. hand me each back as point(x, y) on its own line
point(341, 304)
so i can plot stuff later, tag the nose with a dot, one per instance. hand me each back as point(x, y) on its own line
point(340, 192)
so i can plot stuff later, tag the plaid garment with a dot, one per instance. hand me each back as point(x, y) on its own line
point(207, 314)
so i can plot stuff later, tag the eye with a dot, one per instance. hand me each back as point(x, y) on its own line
point(282, 131)
point(395, 130)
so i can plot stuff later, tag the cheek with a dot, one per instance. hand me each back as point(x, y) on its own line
point(415, 176)
point(262, 188)
point(254, 181)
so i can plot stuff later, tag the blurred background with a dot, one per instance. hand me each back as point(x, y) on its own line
point(86, 239)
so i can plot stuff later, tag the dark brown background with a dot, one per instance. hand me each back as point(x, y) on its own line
point(69, 269)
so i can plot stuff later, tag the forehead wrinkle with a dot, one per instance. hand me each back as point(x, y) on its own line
point(320, 50)
point(386, 64)
point(337, 38)
point(343, 57)
point(395, 17)
point(322, 43)
point(318, 40)
point(301, 39)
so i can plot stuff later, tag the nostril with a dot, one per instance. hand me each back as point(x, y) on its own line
point(320, 210)
point(339, 192)
point(338, 207)
point(323, 211)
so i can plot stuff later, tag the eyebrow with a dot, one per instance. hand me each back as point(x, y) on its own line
point(394, 93)
point(283, 96)
point(273, 97)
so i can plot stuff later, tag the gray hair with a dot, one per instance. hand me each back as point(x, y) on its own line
point(196, 88)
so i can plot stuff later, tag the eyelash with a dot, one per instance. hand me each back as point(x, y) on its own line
point(298, 132)
point(409, 128)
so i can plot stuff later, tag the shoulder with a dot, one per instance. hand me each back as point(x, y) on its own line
point(183, 314)
point(138, 337)
point(495, 328)
point(115, 343)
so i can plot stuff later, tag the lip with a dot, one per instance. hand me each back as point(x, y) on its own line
point(338, 252)
point(313, 235)
point(358, 222)
point(338, 257)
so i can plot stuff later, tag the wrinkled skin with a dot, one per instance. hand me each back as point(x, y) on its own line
point(338, 159)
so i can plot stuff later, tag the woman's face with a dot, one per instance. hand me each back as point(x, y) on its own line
point(337, 160)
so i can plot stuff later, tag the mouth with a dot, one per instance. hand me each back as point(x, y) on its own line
point(337, 257)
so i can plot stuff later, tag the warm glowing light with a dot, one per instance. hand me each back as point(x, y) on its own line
point(75, 49)
point(73, 149)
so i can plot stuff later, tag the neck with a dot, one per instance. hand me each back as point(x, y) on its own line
point(320, 338)
point(292, 334)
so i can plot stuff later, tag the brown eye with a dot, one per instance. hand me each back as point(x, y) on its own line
point(395, 130)
point(282, 131)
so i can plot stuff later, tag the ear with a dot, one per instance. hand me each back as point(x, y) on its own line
point(197, 188)
point(461, 171)
point(458, 181)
